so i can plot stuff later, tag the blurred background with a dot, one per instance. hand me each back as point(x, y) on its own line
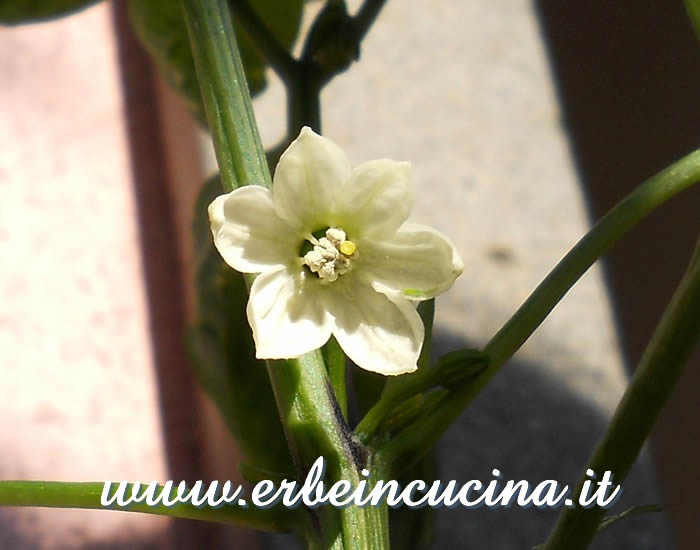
point(524, 123)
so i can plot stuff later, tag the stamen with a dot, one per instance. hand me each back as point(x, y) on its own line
point(331, 255)
point(348, 248)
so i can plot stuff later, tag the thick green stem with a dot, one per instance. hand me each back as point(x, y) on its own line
point(313, 423)
point(86, 495)
point(674, 340)
point(628, 213)
point(225, 94)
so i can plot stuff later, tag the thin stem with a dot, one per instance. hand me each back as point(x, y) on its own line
point(674, 340)
point(426, 310)
point(305, 82)
point(623, 217)
point(86, 495)
point(275, 54)
point(365, 17)
point(303, 100)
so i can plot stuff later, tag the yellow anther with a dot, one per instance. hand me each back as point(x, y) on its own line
point(348, 248)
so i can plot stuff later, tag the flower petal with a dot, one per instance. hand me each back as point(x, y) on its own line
point(248, 234)
point(377, 198)
point(417, 262)
point(307, 180)
point(287, 314)
point(379, 333)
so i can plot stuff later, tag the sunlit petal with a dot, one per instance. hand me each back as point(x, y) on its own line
point(307, 180)
point(247, 233)
point(379, 333)
point(287, 314)
point(377, 198)
point(417, 262)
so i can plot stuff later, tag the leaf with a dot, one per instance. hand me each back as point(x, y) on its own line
point(223, 352)
point(14, 12)
point(693, 8)
point(160, 26)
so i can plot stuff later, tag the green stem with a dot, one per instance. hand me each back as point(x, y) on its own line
point(315, 427)
point(86, 495)
point(225, 94)
point(659, 369)
point(274, 53)
point(629, 212)
point(303, 100)
point(312, 420)
point(426, 310)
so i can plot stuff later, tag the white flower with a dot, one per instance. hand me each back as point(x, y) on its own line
point(335, 256)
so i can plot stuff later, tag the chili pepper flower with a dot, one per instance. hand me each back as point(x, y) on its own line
point(335, 256)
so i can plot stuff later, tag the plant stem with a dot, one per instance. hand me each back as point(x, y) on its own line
point(86, 495)
point(629, 212)
point(303, 100)
point(674, 340)
point(313, 423)
point(227, 102)
point(365, 17)
point(274, 53)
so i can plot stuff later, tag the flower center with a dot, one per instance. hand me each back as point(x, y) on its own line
point(331, 255)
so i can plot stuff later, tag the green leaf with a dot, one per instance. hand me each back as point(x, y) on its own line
point(160, 26)
point(223, 352)
point(14, 12)
point(693, 8)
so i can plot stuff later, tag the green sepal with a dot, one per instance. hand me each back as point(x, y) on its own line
point(160, 26)
point(15, 12)
point(223, 352)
